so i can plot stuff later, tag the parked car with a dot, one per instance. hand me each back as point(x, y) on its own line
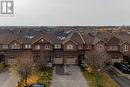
point(122, 67)
point(37, 85)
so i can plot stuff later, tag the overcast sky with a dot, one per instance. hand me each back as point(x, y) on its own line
point(69, 12)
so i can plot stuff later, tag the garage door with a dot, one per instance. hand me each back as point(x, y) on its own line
point(70, 61)
point(116, 60)
point(58, 60)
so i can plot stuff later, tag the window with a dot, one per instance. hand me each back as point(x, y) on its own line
point(125, 48)
point(15, 46)
point(100, 47)
point(37, 47)
point(69, 46)
point(28, 46)
point(88, 46)
point(11, 57)
point(113, 48)
point(42, 40)
point(47, 46)
point(5, 46)
point(58, 46)
point(80, 47)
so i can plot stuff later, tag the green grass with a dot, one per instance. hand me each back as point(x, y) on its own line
point(99, 80)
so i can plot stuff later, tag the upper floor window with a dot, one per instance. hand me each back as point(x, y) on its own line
point(89, 46)
point(5, 46)
point(80, 46)
point(42, 40)
point(100, 47)
point(125, 48)
point(57, 46)
point(113, 48)
point(70, 47)
point(28, 46)
point(37, 47)
point(47, 46)
point(15, 46)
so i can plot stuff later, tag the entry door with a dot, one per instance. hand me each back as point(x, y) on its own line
point(2, 58)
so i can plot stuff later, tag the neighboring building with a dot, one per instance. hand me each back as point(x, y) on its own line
point(71, 50)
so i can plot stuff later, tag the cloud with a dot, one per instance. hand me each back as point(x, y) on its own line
point(69, 12)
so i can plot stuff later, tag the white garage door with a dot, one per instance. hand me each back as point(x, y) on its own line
point(58, 60)
point(116, 60)
point(70, 61)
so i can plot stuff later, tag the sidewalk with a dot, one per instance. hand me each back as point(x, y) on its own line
point(7, 80)
point(10, 82)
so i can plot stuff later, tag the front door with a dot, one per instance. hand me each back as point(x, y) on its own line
point(2, 58)
point(80, 59)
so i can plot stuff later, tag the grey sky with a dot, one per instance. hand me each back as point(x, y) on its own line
point(69, 12)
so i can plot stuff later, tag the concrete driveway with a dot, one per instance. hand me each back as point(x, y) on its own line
point(74, 78)
point(7, 80)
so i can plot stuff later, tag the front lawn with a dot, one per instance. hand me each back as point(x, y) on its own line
point(99, 80)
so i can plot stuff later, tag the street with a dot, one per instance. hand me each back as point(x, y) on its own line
point(121, 80)
point(7, 80)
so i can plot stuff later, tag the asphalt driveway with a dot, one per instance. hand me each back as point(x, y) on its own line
point(7, 80)
point(74, 78)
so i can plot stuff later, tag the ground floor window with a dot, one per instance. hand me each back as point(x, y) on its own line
point(11, 57)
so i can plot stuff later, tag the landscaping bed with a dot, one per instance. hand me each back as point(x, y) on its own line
point(99, 79)
point(1, 66)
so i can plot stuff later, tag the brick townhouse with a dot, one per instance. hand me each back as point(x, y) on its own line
point(71, 50)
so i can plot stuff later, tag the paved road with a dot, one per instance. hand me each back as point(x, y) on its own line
point(74, 78)
point(120, 79)
point(7, 80)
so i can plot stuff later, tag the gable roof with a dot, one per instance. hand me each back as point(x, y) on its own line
point(7, 38)
point(114, 41)
point(124, 37)
point(40, 36)
point(74, 37)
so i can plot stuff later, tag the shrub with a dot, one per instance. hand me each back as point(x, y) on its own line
point(1, 65)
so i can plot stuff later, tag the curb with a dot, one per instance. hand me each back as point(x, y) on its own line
point(121, 73)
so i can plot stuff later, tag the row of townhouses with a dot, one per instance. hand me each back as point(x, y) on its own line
point(71, 50)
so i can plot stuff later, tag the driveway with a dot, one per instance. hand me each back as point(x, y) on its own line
point(122, 80)
point(73, 78)
point(7, 80)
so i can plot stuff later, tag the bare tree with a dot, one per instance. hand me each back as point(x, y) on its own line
point(96, 60)
point(25, 66)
